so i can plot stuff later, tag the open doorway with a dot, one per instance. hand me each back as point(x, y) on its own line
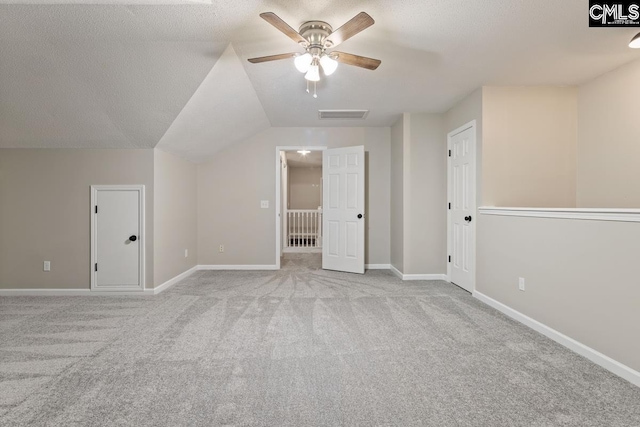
point(298, 201)
point(301, 193)
point(320, 205)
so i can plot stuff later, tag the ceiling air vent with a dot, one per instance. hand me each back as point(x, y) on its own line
point(342, 114)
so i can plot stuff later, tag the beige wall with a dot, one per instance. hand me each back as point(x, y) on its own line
point(560, 147)
point(581, 277)
point(175, 222)
point(529, 146)
point(609, 140)
point(425, 196)
point(45, 212)
point(305, 188)
point(419, 194)
point(397, 198)
point(229, 212)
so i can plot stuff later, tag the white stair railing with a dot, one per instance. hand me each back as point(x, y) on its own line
point(304, 228)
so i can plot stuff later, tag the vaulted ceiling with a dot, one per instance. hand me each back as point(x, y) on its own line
point(173, 74)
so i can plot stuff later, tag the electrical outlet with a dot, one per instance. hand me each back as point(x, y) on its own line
point(47, 266)
point(521, 283)
point(264, 204)
point(221, 248)
point(186, 253)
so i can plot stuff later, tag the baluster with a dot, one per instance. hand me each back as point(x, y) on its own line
point(309, 229)
point(321, 217)
point(297, 229)
point(288, 229)
point(293, 229)
point(306, 240)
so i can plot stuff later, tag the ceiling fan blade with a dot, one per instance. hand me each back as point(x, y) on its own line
point(358, 23)
point(357, 60)
point(271, 58)
point(275, 20)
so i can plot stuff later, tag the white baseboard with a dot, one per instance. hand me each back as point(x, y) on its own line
point(88, 292)
point(377, 266)
point(166, 285)
point(596, 357)
point(69, 292)
point(43, 292)
point(395, 271)
point(403, 276)
point(302, 250)
point(237, 267)
point(424, 277)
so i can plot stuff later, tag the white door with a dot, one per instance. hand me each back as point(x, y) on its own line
point(117, 238)
point(343, 209)
point(462, 209)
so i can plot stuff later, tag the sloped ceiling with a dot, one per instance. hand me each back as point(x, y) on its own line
point(223, 110)
point(136, 73)
point(85, 76)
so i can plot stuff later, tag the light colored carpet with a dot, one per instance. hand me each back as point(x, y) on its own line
point(297, 347)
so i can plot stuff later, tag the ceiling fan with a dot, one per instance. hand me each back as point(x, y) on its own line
point(316, 37)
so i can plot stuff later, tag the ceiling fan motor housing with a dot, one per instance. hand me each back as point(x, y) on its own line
point(316, 33)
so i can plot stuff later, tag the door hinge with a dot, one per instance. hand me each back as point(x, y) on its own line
point(449, 258)
point(449, 153)
point(96, 266)
point(96, 208)
point(449, 205)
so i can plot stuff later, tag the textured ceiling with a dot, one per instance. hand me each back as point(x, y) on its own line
point(130, 73)
point(102, 76)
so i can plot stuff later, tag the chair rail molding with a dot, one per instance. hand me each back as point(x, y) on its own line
point(593, 214)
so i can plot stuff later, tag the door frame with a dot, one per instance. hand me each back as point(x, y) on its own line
point(141, 237)
point(278, 196)
point(470, 125)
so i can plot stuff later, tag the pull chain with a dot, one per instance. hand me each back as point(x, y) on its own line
point(315, 95)
point(307, 86)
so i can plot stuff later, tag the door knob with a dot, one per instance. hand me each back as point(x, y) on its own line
point(468, 218)
point(133, 238)
point(359, 216)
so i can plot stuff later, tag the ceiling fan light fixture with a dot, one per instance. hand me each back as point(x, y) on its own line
point(315, 37)
point(635, 42)
point(313, 75)
point(329, 65)
point(303, 62)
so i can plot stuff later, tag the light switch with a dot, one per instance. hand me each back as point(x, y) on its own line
point(47, 266)
point(264, 204)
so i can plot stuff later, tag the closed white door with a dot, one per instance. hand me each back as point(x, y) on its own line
point(117, 238)
point(462, 196)
point(343, 209)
